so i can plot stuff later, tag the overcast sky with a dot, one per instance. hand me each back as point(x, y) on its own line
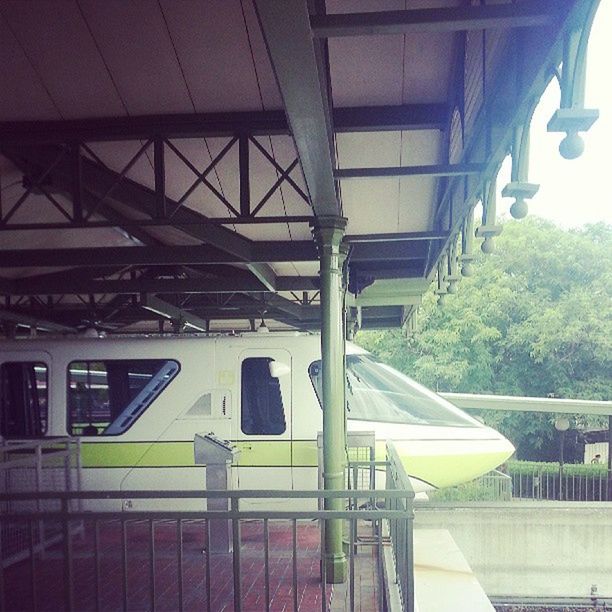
point(575, 192)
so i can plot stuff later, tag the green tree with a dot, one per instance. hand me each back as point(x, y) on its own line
point(535, 319)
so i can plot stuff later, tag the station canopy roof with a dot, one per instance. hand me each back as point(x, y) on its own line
point(166, 160)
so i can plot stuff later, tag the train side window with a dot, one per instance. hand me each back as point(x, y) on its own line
point(23, 399)
point(106, 398)
point(262, 411)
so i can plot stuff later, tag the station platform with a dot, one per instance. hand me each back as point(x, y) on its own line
point(121, 575)
point(444, 581)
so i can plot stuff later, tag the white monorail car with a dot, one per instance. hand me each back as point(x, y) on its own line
point(137, 403)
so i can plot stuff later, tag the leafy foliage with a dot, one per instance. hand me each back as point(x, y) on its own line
point(535, 319)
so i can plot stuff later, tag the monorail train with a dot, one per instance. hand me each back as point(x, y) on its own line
point(137, 403)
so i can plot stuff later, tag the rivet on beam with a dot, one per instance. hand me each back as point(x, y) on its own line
point(519, 186)
point(488, 230)
point(572, 117)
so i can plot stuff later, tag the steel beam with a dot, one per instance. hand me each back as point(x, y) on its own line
point(134, 195)
point(159, 168)
point(70, 316)
point(239, 306)
point(274, 303)
point(443, 19)
point(377, 252)
point(201, 125)
point(364, 248)
point(403, 117)
point(395, 237)
point(130, 225)
point(30, 321)
point(27, 286)
point(286, 30)
point(264, 274)
point(399, 171)
point(169, 311)
point(245, 177)
point(142, 200)
point(390, 271)
point(283, 251)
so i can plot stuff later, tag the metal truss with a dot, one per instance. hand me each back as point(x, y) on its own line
point(69, 162)
point(227, 276)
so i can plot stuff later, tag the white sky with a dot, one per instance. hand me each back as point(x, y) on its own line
point(574, 192)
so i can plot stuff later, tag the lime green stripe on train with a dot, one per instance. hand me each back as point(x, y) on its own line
point(137, 403)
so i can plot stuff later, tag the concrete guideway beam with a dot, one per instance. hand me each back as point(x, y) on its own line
point(529, 404)
point(328, 233)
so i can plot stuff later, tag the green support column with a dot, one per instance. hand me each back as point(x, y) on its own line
point(328, 233)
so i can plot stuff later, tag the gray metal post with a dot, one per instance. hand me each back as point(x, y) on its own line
point(329, 232)
point(217, 455)
point(609, 496)
point(561, 462)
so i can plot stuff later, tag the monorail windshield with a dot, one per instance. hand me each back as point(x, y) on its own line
point(377, 392)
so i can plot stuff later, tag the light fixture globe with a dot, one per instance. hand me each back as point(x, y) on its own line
point(562, 424)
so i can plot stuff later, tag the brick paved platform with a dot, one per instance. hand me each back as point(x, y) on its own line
point(47, 591)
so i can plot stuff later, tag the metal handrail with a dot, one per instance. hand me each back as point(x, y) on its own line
point(10, 445)
point(212, 493)
point(401, 535)
point(122, 520)
point(31, 463)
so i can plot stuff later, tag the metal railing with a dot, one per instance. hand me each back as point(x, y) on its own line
point(570, 482)
point(34, 466)
point(538, 481)
point(108, 536)
point(401, 534)
point(398, 570)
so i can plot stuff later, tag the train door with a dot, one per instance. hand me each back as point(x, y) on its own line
point(264, 430)
point(25, 406)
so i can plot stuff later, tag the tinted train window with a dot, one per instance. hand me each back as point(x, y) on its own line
point(262, 403)
point(23, 399)
point(107, 397)
point(377, 392)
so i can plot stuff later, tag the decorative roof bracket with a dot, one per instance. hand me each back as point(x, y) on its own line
point(467, 241)
point(452, 276)
point(519, 187)
point(572, 117)
point(441, 290)
point(488, 230)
